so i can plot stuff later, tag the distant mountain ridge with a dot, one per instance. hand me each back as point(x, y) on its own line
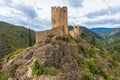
point(100, 30)
point(111, 33)
point(90, 33)
point(13, 37)
point(112, 39)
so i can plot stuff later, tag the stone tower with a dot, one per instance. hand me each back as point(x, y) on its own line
point(59, 18)
point(76, 32)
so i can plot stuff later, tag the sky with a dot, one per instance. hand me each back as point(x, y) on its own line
point(36, 14)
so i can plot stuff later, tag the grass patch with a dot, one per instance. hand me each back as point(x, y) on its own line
point(66, 38)
point(39, 69)
point(51, 71)
point(40, 42)
point(87, 52)
point(83, 35)
point(56, 65)
point(79, 60)
point(92, 66)
point(50, 35)
point(87, 76)
point(4, 76)
point(14, 54)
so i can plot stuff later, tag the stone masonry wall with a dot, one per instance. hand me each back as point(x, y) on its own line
point(41, 36)
point(59, 23)
point(75, 32)
point(59, 18)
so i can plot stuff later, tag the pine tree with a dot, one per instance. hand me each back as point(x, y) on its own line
point(30, 41)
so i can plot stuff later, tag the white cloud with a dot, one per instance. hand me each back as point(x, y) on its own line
point(37, 13)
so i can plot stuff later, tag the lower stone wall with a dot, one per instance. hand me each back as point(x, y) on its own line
point(41, 36)
point(76, 32)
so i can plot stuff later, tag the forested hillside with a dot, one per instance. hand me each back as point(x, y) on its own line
point(13, 37)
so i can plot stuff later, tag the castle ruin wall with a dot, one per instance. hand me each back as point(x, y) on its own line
point(41, 36)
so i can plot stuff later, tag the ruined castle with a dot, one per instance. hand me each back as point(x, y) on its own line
point(59, 22)
point(59, 18)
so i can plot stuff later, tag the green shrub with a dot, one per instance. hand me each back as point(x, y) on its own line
point(4, 76)
point(80, 47)
point(103, 73)
point(14, 54)
point(113, 62)
point(116, 47)
point(83, 50)
point(95, 69)
point(91, 51)
point(79, 59)
point(38, 69)
point(1, 63)
point(93, 41)
point(40, 42)
point(113, 79)
point(87, 52)
point(56, 65)
point(87, 76)
point(83, 35)
point(92, 66)
point(66, 38)
point(110, 65)
point(50, 35)
point(51, 71)
point(115, 56)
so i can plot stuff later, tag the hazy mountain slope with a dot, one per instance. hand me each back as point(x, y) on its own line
point(112, 39)
point(111, 34)
point(62, 58)
point(100, 30)
point(13, 37)
point(90, 34)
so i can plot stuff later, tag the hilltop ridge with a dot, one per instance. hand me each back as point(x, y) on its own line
point(62, 58)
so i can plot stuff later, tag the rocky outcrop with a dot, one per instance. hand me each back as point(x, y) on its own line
point(49, 53)
point(61, 58)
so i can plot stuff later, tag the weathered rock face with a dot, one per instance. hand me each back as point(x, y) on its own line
point(48, 54)
point(67, 58)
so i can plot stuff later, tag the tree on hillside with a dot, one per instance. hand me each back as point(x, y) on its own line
point(30, 40)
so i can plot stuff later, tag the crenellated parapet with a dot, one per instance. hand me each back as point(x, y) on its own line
point(59, 23)
point(59, 18)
